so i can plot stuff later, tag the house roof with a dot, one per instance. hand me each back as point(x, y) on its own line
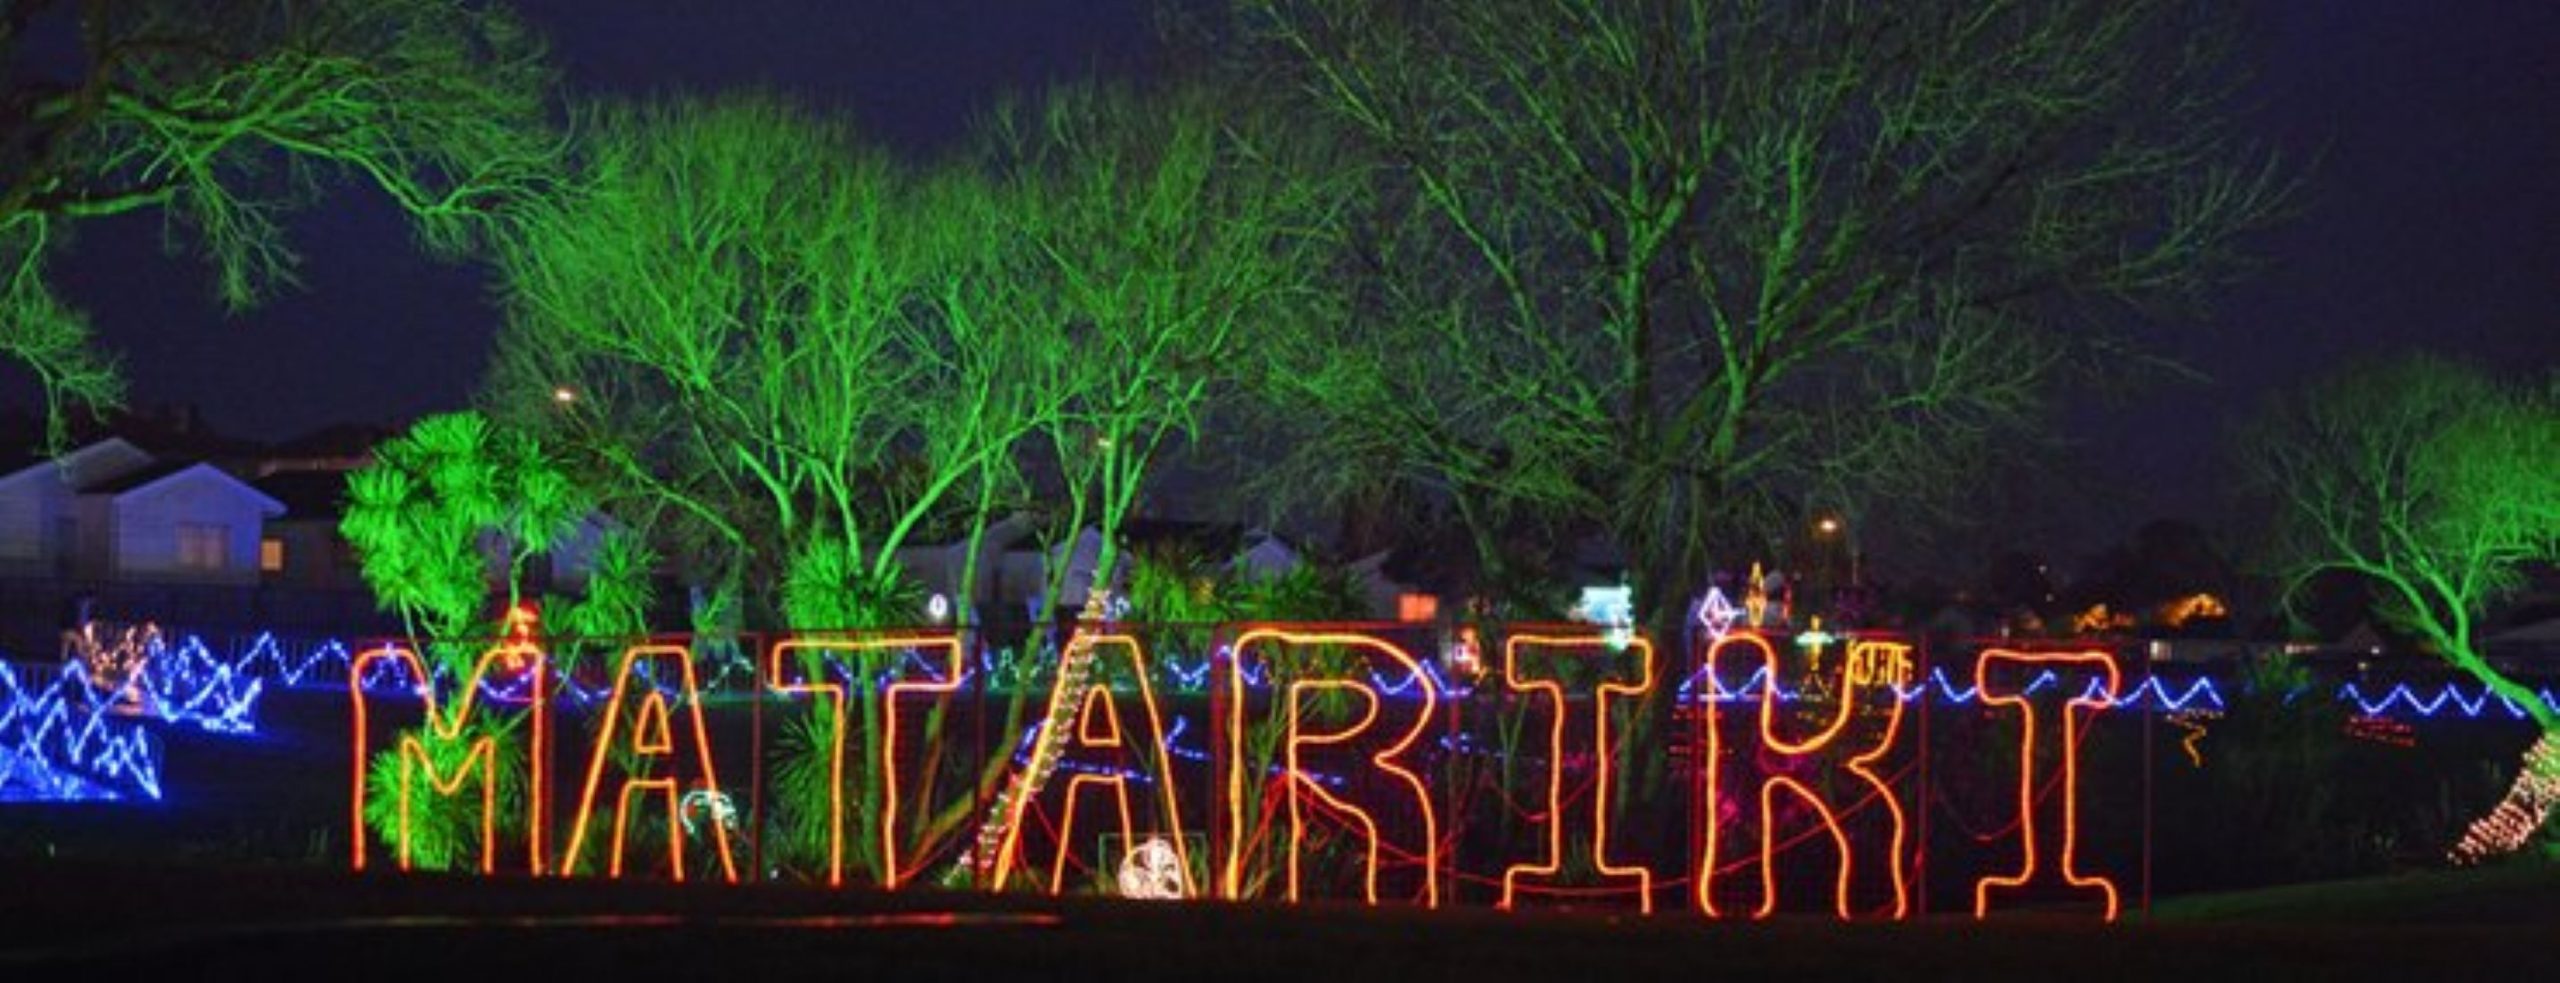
point(30, 459)
point(136, 481)
point(118, 484)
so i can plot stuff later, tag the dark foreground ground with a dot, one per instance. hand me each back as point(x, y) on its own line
point(70, 921)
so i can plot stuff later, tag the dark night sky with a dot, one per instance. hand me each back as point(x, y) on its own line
point(2432, 220)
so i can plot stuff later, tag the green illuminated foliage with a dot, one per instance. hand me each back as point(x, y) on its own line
point(616, 601)
point(777, 344)
point(1674, 272)
point(1167, 227)
point(420, 515)
point(226, 120)
point(2434, 482)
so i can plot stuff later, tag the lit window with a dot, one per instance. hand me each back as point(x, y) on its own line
point(201, 545)
point(1412, 608)
point(271, 555)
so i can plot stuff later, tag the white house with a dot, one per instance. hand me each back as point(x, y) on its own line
point(109, 511)
point(39, 505)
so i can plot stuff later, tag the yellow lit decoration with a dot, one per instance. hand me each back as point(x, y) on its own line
point(2192, 607)
point(2527, 803)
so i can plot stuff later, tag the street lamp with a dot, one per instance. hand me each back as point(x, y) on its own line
point(1830, 526)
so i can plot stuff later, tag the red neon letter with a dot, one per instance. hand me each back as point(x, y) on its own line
point(1302, 786)
point(649, 735)
point(2087, 703)
point(1098, 725)
point(482, 757)
point(944, 645)
point(1543, 679)
point(1872, 670)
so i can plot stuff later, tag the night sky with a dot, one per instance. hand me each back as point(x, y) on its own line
point(2431, 219)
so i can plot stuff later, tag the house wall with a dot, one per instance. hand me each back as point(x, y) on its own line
point(31, 507)
point(145, 528)
point(93, 554)
point(34, 502)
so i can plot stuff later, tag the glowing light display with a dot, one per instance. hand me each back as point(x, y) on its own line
point(648, 737)
point(1300, 786)
point(1811, 773)
point(1808, 783)
point(1717, 614)
point(2033, 728)
point(2520, 812)
point(1156, 870)
point(60, 746)
point(1094, 709)
point(1544, 680)
point(480, 756)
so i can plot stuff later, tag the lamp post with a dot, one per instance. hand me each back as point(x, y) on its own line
point(1831, 526)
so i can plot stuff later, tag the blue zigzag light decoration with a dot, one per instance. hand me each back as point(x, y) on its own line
point(64, 743)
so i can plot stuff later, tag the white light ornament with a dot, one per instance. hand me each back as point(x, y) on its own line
point(1152, 870)
point(1717, 614)
point(1613, 608)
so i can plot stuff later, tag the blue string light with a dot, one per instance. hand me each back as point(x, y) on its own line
point(65, 744)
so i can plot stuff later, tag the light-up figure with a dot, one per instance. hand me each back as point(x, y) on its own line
point(1997, 676)
point(643, 729)
point(1832, 777)
point(1402, 723)
point(1543, 678)
point(417, 768)
point(1105, 738)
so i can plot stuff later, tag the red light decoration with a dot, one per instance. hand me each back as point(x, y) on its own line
point(480, 759)
point(650, 735)
point(2066, 861)
point(1872, 667)
point(1604, 751)
point(1299, 786)
point(1097, 726)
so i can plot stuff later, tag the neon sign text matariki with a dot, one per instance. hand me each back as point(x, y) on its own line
point(1299, 763)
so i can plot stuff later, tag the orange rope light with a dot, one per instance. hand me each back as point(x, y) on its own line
point(2103, 662)
point(834, 695)
point(1603, 751)
point(1112, 735)
point(1871, 665)
point(1297, 783)
point(650, 735)
point(482, 756)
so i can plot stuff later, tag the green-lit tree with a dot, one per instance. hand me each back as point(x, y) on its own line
point(1169, 227)
point(742, 320)
point(1676, 272)
point(2438, 485)
point(424, 515)
point(224, 118)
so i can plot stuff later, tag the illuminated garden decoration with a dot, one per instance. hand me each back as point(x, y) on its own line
point(1844, 750)
point(1333, 769)
point(2436, 484)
